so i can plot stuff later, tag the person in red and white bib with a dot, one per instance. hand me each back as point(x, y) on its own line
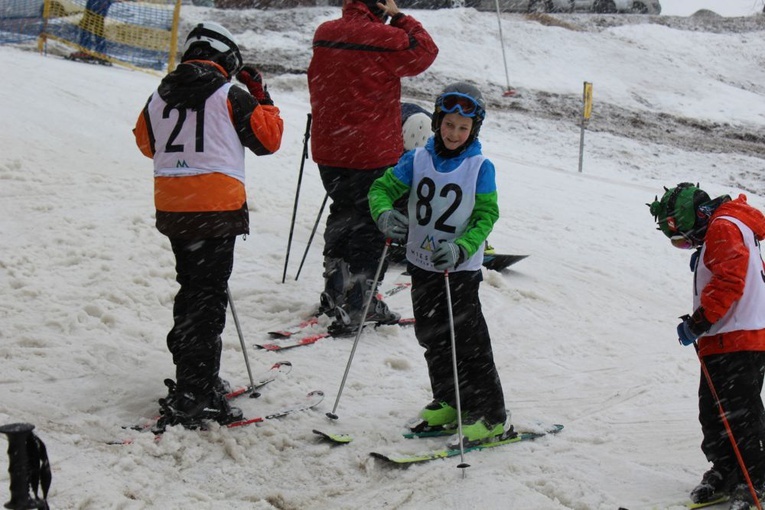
point(728, 328)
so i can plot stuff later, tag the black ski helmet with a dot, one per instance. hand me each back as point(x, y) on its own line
point(210, 41)
point(468, 91)
point(372, 4)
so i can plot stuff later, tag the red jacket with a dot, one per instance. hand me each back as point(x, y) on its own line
point(354, 80)
point(727, 258)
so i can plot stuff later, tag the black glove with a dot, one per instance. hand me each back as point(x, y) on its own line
point(253, 80)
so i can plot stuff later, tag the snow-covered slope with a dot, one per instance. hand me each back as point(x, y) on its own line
point(583, 329)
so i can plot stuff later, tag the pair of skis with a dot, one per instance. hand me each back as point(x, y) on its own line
point(308, 331)
point(278, 369)
point(510, 437)
point(292, 337)
point(314, 398)
point(300, 334)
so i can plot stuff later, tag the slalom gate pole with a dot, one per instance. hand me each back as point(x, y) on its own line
point(462, 463)
point(509, 90)
point(310, 239)
point(728, 430)
point(306, 136)
point(241, 338)
point(332, 415)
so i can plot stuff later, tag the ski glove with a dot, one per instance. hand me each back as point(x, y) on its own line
point(692, 327)
point(448, 256)
point(253, 80)
point(393, 224)
point(684, 334)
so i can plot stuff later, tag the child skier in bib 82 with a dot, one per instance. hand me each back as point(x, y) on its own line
point(452, 208)
point(728, 328)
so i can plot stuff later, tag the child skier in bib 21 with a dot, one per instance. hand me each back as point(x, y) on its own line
point(728, 328)
point(196, 127)
point(452, 208)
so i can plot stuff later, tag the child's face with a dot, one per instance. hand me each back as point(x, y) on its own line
point(455, 130)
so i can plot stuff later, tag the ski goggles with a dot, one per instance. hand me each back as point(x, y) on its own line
point(463, 104)
point(681, 241)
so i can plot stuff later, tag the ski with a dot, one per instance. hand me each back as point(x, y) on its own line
point(334, 438)
point(276, 370)
point(297, 328)
point(307, 340)
point(491, 259)
point(444, 453)
point(311, 400)
point(397, 287)
point(708, 504)
point(499, 261)
point(87, 58)
point(441, 432)
point(312, 339)
point(719, 502)
point(313, 320)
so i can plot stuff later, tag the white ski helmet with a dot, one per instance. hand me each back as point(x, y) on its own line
point(416, 130)
point(210, 41)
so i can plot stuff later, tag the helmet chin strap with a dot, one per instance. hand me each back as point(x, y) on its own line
point(699, 232)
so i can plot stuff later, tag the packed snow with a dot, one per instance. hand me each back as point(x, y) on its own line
point(583, 329)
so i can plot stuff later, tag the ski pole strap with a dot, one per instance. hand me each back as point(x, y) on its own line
point(39, 473)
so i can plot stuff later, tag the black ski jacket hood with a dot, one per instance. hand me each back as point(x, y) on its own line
point(190, 84)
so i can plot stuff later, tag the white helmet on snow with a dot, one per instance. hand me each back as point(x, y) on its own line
point(416, 131)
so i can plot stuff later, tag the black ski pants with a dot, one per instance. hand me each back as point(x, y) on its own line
point(351, 234)
point(203, 268)
point(480, 388)
point(737, 378)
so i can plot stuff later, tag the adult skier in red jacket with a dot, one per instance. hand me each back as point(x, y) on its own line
point(354, 80)
point(728, 327)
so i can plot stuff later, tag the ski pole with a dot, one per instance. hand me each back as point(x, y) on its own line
point(462, 463)
point(728, 430)
point(332, 415)
point(241, 341)
point(306, 136)
point(310, 239)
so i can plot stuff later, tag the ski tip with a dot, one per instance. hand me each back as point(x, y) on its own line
point(334, 438)
point(268, 347)
point(120, 442)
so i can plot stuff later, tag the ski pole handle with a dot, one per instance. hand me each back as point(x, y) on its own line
point(18, 437)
